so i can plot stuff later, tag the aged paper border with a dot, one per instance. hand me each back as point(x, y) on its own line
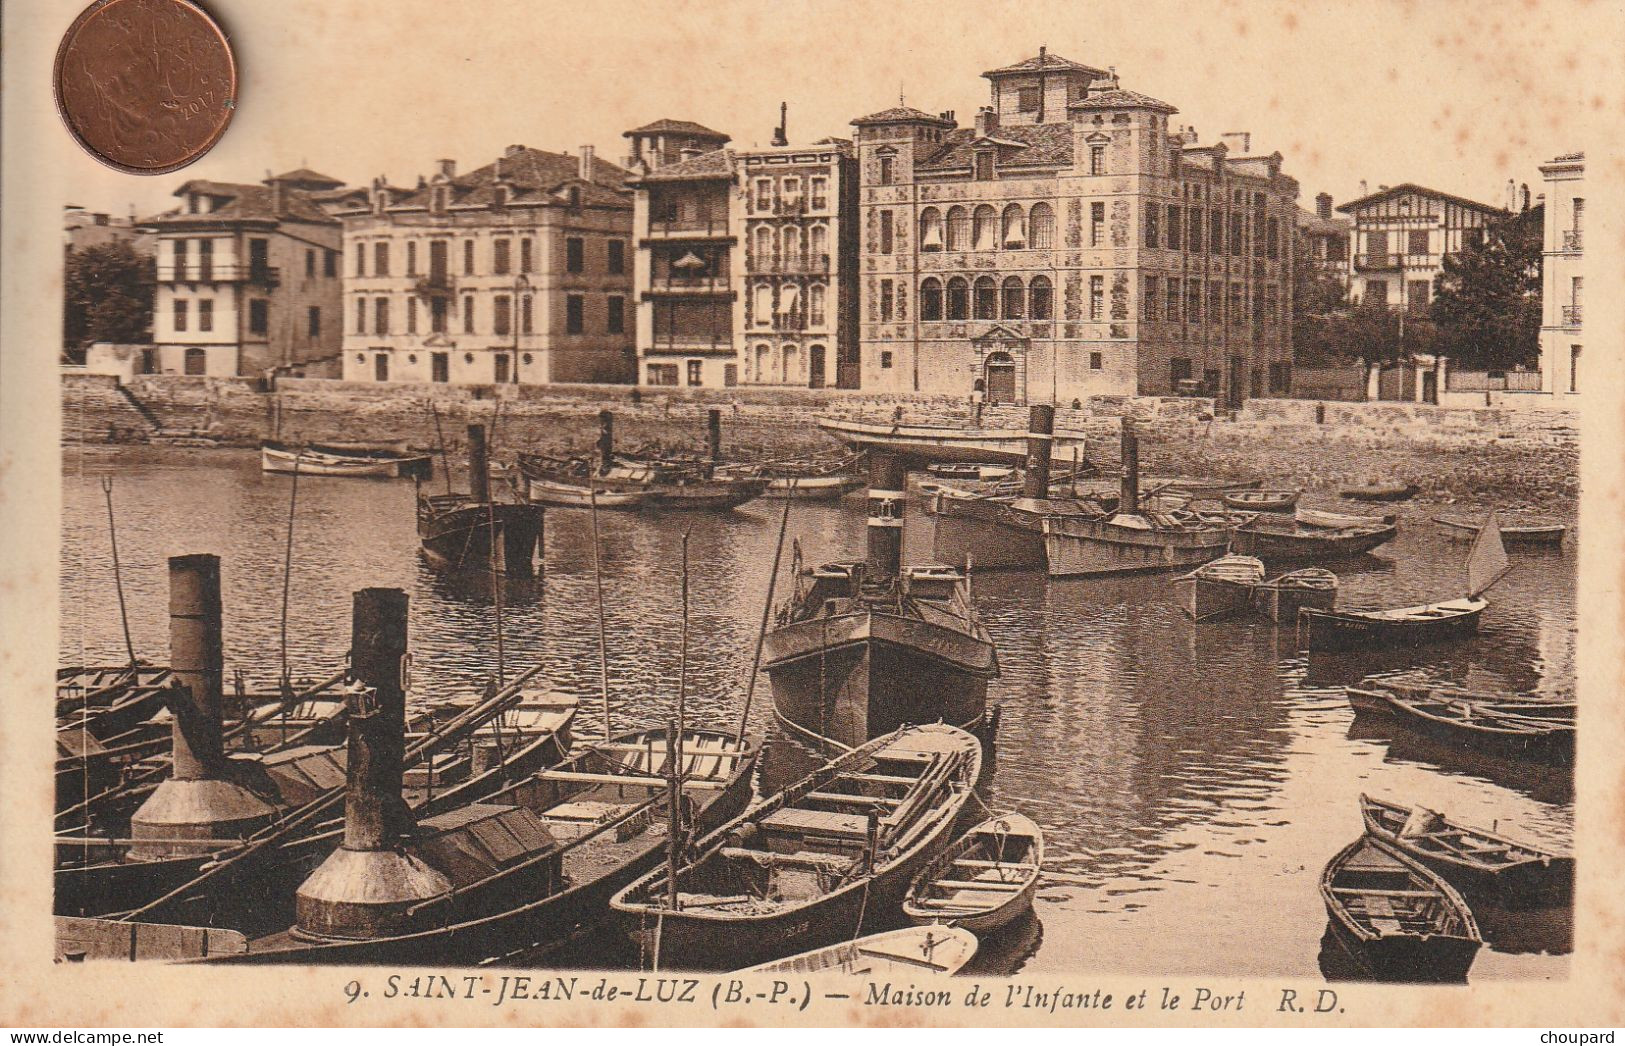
point(35, 992)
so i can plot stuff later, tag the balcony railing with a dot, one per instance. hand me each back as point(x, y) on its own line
point(689, 284)
point(689, 230)
point(435, 285)
point(698, 342)
point(1571, 315)
point(1572, 240)
point(795, 265)
point(1376, 261)
point(262, 274)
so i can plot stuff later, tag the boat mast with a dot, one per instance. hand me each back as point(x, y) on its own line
point(767, 609)
point(118, 580)
point(598, 586)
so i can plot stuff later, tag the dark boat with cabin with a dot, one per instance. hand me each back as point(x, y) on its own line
point(1397, 919)
point(1333, 630)
point(1275, 539)
point(474, 531)
point(1515, 875)
point(859, 649)
point(819, 863)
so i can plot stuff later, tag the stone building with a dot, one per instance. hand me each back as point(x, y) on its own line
point(1562, 274)
point(1402, 235)
point(82, 228)
point(1326, 237)
point(746, 268)
point(516, 273)
point(1068, 244)
point(248, 279)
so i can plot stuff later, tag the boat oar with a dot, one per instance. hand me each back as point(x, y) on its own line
point(598, 588)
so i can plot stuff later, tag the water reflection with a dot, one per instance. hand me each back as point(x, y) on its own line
point(1188, 777)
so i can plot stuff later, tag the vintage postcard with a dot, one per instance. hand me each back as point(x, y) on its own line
point(822, 513)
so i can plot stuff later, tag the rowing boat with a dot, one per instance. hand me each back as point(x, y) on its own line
point(1505, 730)
point(1524, 534)
point(1280, 598)
point(813, 865)
point(983, 881)
point(913, 951)
point(1310, 517)
point(1381, 492)
point(1277, 539)
point(1329, 630)
point(1220, 588)
point(1515, 874)
point(388, 461)
point(1395, 917)
point(1261, 500)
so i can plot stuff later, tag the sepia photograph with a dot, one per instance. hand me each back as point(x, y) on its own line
point(888, 498)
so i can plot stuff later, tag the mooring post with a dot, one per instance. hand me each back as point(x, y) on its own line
point(479, 465)
point(606, 440)
point(374, 812)
point(1040, 440)
point(713, 434)
point(1129, 495)
point(887, 475)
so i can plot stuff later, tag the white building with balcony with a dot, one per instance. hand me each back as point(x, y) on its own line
point(1402, 234)
point(1562, 275)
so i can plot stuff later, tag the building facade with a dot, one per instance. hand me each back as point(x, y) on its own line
point(82, 228)
point(1070, 244)
point(1402, 235)
point(746, 267)
point(248, 277)
point(1562, 274)
point(518, 272)
point(1326, 237)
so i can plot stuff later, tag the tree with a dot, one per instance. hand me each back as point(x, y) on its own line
point(1486, 299)
point(1318, 299)
point(108, 295)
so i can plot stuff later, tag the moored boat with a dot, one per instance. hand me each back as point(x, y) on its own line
point(1276, 539)
point(1525, 533)
point(1310, 517)
point(812, 865)
point(812, 480)
point(1330, 630)
point(1398, 920)
point(984, 880)
point(966, 470)
point(387, 460)
point(913, 951)
point(1261, 500)
point(945, 443)
point(559, 494)
point(1280, 598)
point(1220, 588)
point(1505, 730)
point(476, 532)
point(1514, 874)
point(1386, 491)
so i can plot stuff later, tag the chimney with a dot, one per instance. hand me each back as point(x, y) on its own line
point(513, 150)
point(1364, 192)
point(1323, 205)
point(586, 172)
point(781, 132)
point(987, 121)
point(496, 171)
point(1523, 197)
point(276, 199)
point(1512, 195)
point(479, 467)
point(1042, 52)
point(1040, 441)
point(886, 477)
point(1238, 142)
point(448, 168)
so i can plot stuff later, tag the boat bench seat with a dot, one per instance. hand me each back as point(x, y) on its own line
point(799, 859)
point(965, 884)
point(847, 797)
point(793, 820)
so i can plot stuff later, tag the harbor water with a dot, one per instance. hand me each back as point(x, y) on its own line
point(1192, 780)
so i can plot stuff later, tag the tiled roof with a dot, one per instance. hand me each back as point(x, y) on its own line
point(676, 127)
point(1044, 143)
point(718, 163)
point(529, 174)
point(1411, 187)
point(1311, 222)
point(898, 114)
point(1047, 62)
point(243, 202)
point(1118, 98)
point(309, 177)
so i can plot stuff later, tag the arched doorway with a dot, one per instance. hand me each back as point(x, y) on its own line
point(815, 367)
point(999, 371)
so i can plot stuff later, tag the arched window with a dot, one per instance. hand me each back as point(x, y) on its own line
point(1040, 299)
point(985, 232)
point(820, 244)
point(815, 305)
point(931, 299)
point(764, 246)
point(790, 243)
point(762, 313)
point(987, 298)
point(1015, 297)
point(958, 229)
point(958, 299)
point(1015, 226)
point(764, 363)
point(792, 365)
point(930, 229)
point(1041, 227)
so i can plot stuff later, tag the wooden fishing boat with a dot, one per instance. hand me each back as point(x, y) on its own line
point(814, 479)
point(1261, 500)
point(1524, 534)
point(1514, 874)
point(814, 864)
point(913, 951)
point(1280, 598)
point(568, 839)
point(1193, 487)
point(700, 494)
point(1329, 630)
point(462, 532)
point(997, 531)
point(1397, 920)
point(1276, 539)
point(1502, 731)
point(1078, 546)
point(98, 688)
point(79, 940)
point(532, 733)
point(984, 881)
point(1392, 491)
point(1220, 588)
point(945, 443)
point(557, 494)
point(968, 471)
point(576, 482)
point(1310, 517)
point(389, 460)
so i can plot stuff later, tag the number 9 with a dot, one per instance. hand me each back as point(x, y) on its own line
point(353, 990)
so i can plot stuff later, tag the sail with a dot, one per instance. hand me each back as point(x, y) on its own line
point(1487, 563)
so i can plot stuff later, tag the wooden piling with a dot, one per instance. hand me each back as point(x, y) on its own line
point(606, 440)
point(1040, 441)
point(887, 475)
point(479, 465)
point(1129, 493)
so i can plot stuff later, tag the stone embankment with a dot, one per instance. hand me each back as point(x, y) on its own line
point(1493, 456)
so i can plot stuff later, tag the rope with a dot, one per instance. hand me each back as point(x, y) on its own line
point(118, 577)
point(287, 565)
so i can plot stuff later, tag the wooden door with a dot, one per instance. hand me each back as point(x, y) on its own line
point(1001, 378)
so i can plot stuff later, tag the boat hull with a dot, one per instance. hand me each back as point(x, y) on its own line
point(1546, 535)
point(462, 538)
point(1442, 953)
point(1281, 604)
point(1538, 882)
point(1207, 599)
point(857, 676)
point(1278, 546)
point(939, 443)
point(813, 488)
point(1082, 548)
point(706, 495)
point(571, 495)
point(988, 534)
point(316, 462)
point(1334, 630)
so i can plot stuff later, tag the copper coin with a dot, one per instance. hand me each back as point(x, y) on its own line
point(146, 86)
